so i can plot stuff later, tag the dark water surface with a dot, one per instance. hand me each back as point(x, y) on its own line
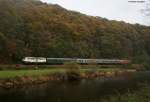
point(81, 91)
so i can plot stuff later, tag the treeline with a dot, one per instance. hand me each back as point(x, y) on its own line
point(33, 28)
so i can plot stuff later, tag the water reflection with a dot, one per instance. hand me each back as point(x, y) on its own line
point(81, 91)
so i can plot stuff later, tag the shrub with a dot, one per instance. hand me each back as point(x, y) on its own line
point(72, 71)
point(146, 66)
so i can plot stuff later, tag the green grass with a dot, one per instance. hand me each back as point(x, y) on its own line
point(19, 73)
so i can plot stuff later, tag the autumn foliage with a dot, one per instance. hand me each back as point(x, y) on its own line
point(33, 28)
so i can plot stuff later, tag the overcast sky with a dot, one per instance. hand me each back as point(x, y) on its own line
point(110, 9)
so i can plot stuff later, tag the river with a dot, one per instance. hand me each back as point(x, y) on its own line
point(86, 90)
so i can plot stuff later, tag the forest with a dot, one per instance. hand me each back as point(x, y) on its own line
point(34, 28)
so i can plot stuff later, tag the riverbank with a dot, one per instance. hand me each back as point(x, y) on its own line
point(141, 95)
point(18, 78)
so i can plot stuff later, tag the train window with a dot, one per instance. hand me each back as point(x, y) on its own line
point(82, 61)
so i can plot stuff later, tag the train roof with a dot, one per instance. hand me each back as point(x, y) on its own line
point(75, 59)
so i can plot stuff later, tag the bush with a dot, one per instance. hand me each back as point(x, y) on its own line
point(146, 66)
point(142, 95)
point(72, 71)
point(143, 60)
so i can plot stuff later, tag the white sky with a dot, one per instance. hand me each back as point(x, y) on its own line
point(110, 9)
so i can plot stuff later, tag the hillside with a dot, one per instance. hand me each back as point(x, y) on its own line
point(33, 28)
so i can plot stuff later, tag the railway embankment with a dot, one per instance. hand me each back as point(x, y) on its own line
point(20, 79)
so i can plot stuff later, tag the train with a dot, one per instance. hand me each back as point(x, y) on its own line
point(82, 61)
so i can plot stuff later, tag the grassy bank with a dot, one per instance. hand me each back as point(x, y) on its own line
point(142, 95)
point(38, 72)
point(20, 73)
